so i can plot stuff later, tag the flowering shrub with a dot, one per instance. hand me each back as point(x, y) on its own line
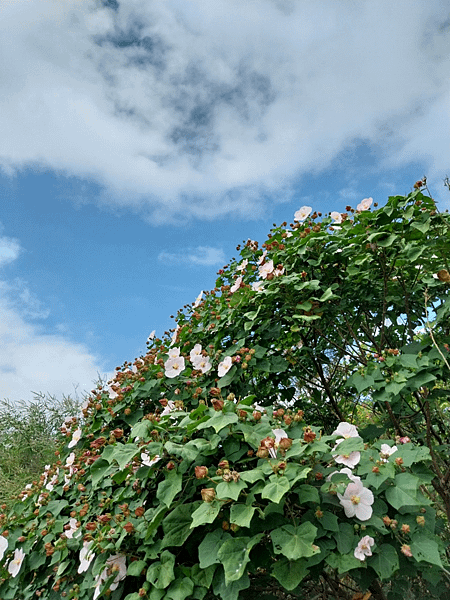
point(225, 462)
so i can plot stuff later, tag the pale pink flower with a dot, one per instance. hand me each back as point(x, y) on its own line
point(86, 556)
point(277, 272)
point(357, 501)
point(288, 234)
point(266, 268)
point(145, 458)
point(27, 487)
point(364, 204)
point(76, 436)
point(174, 366)
point(16, 562)
point(242, 266)
point(196, 351)
point(237, 284)
point(386, 451)
point(262, 258)
point(198, 299)
point(51, 484)
point(258, 286)
point(302, 213)
point(202, 363)
point(279, 435)
point(72, 528)
point(346, 430)
point(175, 335)
point(174, 352)
point(363, 548)
point(336, 216)
point(349, 460)
point(151, 336)
point(115, 563)
point(3, 546)
point(225, 366)
point(112, 393)
point(169, 408)
point(70, 459)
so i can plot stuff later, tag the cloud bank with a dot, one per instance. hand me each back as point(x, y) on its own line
point(30, 359)
point(201, 109)
point(201, 256)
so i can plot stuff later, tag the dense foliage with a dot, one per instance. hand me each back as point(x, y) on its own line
point(226, 462)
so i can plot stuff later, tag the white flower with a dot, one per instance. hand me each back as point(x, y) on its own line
point(76, 436)
point(50, 485)
point(174, 335)
point(336, 216)
point(86, 556)
point(266, 268)
point(364, 204)
point(225, 366)
point(386, 451)
point(151, 336)
point(363, 548)
point(16, 562)
point(279, 435)
point(242, 266)
point(27, 487)
point(112, 393)
point(346, 430)
point(349, 460)
point(302, 213)
point(169, 408)
point(68, 476)
point(277, 272)
point(202, 363)
point(3, 546)
point(357, 501)
point(72, 528)
point(146, 459)
point(288, 233)
point(262, 257)
point(70, 459)
point(258, 286)
point(115, 563)
point(195, 352)
point(347, 472)
point(198, 299)
point(174, 366)
point(174, 353)
point(237, 284)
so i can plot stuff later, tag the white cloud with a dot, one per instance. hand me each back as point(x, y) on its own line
point(202, 109)
point(204, 256)
point(31, 359)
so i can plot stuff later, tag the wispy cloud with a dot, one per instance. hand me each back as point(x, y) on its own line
point(31, 359)
point(204, 256)
point(204, 109)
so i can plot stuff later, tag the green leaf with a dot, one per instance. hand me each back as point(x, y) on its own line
point(180, 589)
point(205, 513)
point(135, 568)
point(177, 525)
point(241, 515)
point(141, 430)
point(230, 489)
point(56, 506)
point(329, 521)
point(234, 556)
point(308, 493)
point(123, 453)
point(352, 444)
point(220, 420)
point(289, 573)
point(385, 561)
point(208, 549)
point(169, 487)
point(276, 488)
point(203, 576)
point(229, 591)
point(343, 562)
point(252, 475)
point(295, 542)
point(160, 573)
point(404, 494)
point(345, 538)
point(425, 549)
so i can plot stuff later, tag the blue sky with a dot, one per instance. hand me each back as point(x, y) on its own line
point(142, 141)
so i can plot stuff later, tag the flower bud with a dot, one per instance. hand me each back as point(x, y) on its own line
point(257, 415)
point(262, 452)
point(285, 443)
point(208, 494)
point(129, 527)
point(309, 435)
point(420, 521)
point(405, 528)
point(406, 550)
point(201, 472)
point(217, 404)
point(139, 511)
